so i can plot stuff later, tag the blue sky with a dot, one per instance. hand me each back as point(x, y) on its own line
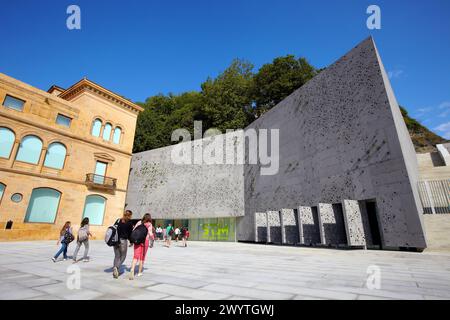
point(141, 48)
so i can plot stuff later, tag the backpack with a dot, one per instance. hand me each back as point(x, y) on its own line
point(68, 238)
point(82, 234)
point(139, 234)
point(112, 235)
point(171, 232)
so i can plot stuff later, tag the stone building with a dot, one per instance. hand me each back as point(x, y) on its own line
point(347, 171)
point(64, 155)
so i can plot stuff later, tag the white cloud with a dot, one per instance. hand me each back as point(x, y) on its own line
point(445, 129)
point(442, 110)
point(395, 73)
point(446, 107)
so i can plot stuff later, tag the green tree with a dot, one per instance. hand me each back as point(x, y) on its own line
point(227, 99)
point(275, 81)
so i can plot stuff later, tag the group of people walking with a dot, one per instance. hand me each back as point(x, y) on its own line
point(140, 235)
point(66, 237)
point(170, 233)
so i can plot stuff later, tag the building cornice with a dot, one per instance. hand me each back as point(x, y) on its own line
point(86, 85)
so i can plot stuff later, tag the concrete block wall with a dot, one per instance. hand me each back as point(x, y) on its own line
point(274, 227)
point(309, 222)
point(290, 229)
point(261, 227)
point(354, 223)
point(331, 224)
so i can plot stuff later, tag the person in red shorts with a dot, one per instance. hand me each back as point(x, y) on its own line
point(184, 236)
point(140, 250)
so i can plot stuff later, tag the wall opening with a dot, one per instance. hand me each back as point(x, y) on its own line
point(374, 226)
point(340, 236)
point(311, 231)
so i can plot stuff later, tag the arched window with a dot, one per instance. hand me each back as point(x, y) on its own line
point(117, 134)
point(96, 127)
point(7, 138)
point(2, 190)
point(30, 150)
point(94, 209)
point(56, 155)
point(43, 205)
point(107, 132)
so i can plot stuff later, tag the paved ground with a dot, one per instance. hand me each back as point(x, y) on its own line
point(225, 271)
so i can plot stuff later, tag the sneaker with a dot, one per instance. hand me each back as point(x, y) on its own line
point(140, 274)
point(53, 259)
point(65, 259)
point(86, 260)
point(115, 273)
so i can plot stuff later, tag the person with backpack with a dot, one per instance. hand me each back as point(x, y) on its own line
point(185, 235)
point(65, 237)
point(83, 239)
point(124, 227)
point(141, 236)
point(169, 234)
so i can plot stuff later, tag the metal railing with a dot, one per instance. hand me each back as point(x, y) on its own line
point(97, 181)
point(435, 196)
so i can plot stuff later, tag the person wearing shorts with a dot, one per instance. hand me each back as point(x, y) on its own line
point(140, 250)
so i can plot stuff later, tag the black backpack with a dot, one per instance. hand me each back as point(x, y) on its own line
point(139, 234)
point(68, 238)
point(112, 235)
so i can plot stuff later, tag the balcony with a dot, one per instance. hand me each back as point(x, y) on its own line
point(96, 181)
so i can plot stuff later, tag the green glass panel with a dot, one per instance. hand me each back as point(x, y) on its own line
point(96, 128)
point(56, 155)
point(7, 138)
point(2, 190)
point(94, 209)
point(43, 205)
point(30, 150)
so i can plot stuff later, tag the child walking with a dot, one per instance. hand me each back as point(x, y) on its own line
point(140, 250)
point(65, 237)
point(83, 239)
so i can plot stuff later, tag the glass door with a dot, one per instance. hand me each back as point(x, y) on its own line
point(100, 172)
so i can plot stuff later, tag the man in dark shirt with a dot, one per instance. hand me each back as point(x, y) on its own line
point(124, 229)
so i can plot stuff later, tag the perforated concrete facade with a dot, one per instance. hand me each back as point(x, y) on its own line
point(342, 141)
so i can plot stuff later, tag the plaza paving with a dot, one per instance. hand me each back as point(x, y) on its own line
point(225, 271)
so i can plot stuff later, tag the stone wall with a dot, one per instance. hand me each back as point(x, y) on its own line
point(182, 191)
point(341, 137)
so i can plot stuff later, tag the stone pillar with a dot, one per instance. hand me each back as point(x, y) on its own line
point(260, 225)
point(42, 158)
point(12, 156)
point(354, 228)
point(304, 217)
point(365, 223)
point(289, 226)
point(274, 224)
point(301, 238)
point(326, 216)
point(268, 229)
point(283, 231)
